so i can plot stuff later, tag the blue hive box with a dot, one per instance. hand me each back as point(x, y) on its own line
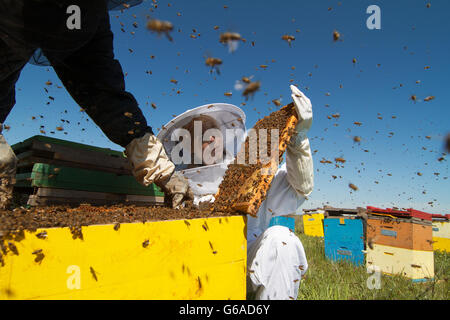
point(344, 234)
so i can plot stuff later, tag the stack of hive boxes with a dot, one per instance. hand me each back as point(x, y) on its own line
point(56, 171)
point(313, 222)
point(441, 232)
point(344, 234)
point(400, 242)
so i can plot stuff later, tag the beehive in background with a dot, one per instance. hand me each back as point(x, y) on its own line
point(344, 231)
point(400, 242)
point(313, 222)
point(441, 232)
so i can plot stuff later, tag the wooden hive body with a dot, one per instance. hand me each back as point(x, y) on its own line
point(344, 238)
point(313, 224)
point(57, 171)
point(441, 235)
point(400, 233)
point(176, 259)
point(417, 265)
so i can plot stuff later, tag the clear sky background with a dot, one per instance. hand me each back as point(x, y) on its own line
point(390, 68)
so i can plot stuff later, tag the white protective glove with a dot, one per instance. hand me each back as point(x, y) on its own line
point(151, 164)
point(299, 163)
point(8, 164)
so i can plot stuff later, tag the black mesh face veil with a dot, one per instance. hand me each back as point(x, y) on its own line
point(38, 58)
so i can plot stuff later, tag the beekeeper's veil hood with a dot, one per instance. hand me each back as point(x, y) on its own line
point(230, 121)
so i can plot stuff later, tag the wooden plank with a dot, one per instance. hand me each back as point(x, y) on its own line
point(50, 192)
point(89, 157)
point(74, 145)
point(23, 155)
point(23, 180)
point(109, 199)
point(85, 156)
point(31, 160)
point(50, 176)
point(182, 261)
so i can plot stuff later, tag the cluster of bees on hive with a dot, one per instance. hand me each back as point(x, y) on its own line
point(164, 28)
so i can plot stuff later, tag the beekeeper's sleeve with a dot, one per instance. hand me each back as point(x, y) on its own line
point(299, 164)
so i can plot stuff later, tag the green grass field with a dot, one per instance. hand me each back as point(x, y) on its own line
point(328, 280)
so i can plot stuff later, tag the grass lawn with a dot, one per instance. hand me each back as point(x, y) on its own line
point(328, 280)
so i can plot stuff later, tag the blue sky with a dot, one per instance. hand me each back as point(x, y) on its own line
point(411, 38)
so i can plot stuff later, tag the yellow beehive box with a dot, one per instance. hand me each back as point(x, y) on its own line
point(313, 224)
point(179, 259)
point(441, 235)
point(415, 264)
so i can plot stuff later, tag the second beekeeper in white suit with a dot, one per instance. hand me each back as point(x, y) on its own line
point(276, 258)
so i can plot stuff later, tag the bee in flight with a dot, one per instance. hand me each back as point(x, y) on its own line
point(160, 27)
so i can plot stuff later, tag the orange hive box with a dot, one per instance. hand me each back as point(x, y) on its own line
point(399, 233)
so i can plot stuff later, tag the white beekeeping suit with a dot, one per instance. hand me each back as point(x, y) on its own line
point(276, 258)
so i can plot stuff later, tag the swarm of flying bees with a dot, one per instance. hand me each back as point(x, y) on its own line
point(160, 27)
point(250, 87)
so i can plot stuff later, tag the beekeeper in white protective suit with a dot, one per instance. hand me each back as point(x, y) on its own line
point(276, 257)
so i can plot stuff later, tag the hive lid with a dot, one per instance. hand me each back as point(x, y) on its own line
point(313, 211)
point(409, 213)
point(330, 211)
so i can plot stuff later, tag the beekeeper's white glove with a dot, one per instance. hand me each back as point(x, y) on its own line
point(299, 163)
point(150, 164)
point(8, 164)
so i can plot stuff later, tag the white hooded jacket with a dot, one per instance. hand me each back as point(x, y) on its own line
point(293, 180)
